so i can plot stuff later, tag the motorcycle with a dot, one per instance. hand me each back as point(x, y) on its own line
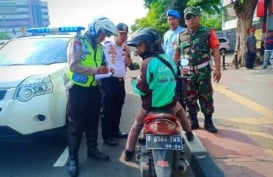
point(160, 147)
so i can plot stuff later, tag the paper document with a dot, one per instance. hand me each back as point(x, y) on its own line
point(101, 76)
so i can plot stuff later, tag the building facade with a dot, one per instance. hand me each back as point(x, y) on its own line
point(229, 22)
point(18, 15)
point(230, 19)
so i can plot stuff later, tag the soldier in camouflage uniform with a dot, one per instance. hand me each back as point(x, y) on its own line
point(193, 49)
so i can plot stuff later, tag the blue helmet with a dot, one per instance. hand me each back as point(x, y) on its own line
point(173, 13)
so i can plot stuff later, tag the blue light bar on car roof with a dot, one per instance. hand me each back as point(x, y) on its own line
point(71, 29)
point(38, 30)
point(52, 30)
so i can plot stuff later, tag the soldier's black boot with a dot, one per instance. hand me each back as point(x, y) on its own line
point(209, 124)
point(194, 121)
point(92, 149)
point(73, 160)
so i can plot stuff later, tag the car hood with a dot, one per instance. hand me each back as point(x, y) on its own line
point(11, 76)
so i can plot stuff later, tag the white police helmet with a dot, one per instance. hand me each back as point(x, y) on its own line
point(102, 25)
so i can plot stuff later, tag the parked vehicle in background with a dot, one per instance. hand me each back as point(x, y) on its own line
point(224, 45)
point(32, 91)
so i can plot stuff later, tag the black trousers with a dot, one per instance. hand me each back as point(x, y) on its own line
point(250, 60)
point(113, 95)
point(83, 110)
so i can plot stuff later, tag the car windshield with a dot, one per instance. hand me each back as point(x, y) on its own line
point(34, 51)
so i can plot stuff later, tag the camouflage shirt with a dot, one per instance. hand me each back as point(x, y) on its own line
point(194, 46)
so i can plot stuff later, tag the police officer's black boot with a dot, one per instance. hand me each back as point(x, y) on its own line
point(209, 124)
point(92, 149)
point(194, 121)
point(73, 160)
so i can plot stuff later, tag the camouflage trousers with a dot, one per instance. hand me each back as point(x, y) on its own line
point(198, 88)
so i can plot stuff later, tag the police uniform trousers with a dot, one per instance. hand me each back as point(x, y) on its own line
point(83, 110)
point(113, 95)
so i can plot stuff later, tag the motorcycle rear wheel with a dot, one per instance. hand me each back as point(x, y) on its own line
point(146, 166)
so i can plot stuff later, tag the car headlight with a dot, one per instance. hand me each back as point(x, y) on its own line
point(33, 86)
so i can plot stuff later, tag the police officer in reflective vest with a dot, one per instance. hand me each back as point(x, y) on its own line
point(195, 45)
point(85, 56)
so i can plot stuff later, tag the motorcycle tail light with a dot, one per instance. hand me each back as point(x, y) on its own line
point(164, 124)
point(162, 163)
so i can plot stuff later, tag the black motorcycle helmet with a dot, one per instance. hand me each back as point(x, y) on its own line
point(152, 41)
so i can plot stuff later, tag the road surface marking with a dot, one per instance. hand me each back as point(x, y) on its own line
point(259, 134)
point(244, 101)
point(251, 121)
point(256, 133)
point(267, 114)
point(60, 162)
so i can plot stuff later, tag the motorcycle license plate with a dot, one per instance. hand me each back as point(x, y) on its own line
point(171, 142)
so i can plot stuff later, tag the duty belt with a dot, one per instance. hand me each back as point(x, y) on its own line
point(194, 68)
point(185, 70)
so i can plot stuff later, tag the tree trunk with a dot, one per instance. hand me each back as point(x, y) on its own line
point(244, 12)
point(243, 25)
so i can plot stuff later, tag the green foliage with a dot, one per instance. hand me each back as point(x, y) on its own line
point(211, 12)
point(207, 6)
point(214, 22)
point(157, 18)
point(4, 36)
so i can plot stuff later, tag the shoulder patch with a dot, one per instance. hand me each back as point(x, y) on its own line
point(77, 45)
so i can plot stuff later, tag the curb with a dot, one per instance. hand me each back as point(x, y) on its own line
point(202, 164)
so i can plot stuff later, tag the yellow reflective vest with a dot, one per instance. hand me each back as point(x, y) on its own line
point(90, 58)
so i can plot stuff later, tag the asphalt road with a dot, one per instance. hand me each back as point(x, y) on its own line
point(46, 157)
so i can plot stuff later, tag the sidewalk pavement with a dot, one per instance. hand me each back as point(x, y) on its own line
point(237, 154)
point(243, 146)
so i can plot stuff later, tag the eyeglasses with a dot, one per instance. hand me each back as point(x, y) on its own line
point(190, 16)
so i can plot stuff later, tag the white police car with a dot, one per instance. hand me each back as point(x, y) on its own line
point(32, 92)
